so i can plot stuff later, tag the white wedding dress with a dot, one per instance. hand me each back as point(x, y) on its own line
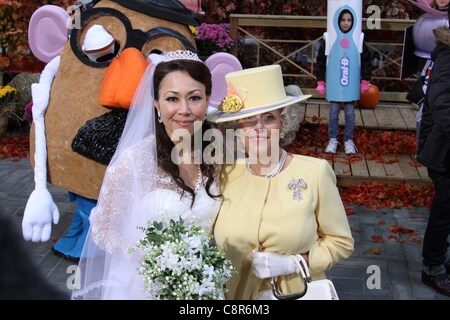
point(119, 213)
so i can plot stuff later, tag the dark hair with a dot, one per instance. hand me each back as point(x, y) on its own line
point(434, 5)
point(340, 18)
point(199, 72)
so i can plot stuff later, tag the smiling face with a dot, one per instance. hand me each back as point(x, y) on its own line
point(182, 100)
point(70, 109)
point(260, 133)
point(345, 22)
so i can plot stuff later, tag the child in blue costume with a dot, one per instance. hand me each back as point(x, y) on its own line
point(346, 26)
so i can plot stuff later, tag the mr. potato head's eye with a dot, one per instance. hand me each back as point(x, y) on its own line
point(103, 34)
point(106, 32)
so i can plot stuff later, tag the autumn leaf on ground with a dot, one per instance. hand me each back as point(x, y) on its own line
point(376, 251)
point(415, 240)
point(376, 195)
point(373, 144)
point(349, 211)
point(377, 239)
point(14, 147)
point(415, 164)
point(403, 230)
point(396, 238)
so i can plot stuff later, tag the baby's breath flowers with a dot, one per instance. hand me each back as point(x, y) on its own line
point(182, 263)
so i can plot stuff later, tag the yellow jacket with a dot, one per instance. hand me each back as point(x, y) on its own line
point(262, 214)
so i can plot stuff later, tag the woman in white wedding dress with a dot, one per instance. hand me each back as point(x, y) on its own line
point(153, 176)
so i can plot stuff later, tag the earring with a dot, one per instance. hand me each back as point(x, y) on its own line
point(159, 117)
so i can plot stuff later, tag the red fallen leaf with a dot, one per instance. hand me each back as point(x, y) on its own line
point(349, 211)
point(315, 118)
point(376, 195)
point(377, 239)
point(376, 251)
point(354, 159)
point(415, 164)
point(390, 237)
point(415, 240)
point(391, 161)
point(403, 230)
point(381, 222)
point(55, 239)
point(354, 229)
point(14, 147)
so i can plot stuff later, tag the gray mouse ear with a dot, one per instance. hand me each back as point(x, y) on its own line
point(48, 32)
point(220, 64)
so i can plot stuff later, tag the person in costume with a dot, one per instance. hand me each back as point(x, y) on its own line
point(277, 207)
point(146, 181)
point(98, 45)
point(343, 69)
point(67, 97)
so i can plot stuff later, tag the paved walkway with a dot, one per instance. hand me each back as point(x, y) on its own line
point(390, 267)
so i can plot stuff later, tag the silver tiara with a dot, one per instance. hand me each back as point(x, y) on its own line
point(180, 55)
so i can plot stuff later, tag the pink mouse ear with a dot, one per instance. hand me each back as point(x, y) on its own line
point(48, 32)
point(220, 64)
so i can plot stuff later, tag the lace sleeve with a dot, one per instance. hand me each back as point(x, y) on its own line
point(114, 200)
point(127, 180)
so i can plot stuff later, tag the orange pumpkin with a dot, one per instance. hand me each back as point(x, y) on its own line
point(370, 98)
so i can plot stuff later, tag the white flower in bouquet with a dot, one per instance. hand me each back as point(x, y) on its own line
point(182, 263)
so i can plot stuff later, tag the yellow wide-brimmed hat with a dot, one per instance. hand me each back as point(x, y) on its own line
point(251, 92)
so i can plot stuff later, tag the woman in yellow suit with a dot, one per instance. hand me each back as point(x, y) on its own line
point(277, 206)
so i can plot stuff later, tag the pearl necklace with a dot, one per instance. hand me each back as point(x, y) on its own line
point(277, 169)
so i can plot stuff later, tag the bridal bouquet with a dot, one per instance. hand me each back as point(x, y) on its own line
point(182, 263)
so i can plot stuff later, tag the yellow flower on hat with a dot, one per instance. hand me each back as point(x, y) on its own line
point(231, 103)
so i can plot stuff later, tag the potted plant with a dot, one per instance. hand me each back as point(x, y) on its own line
point(7, 106)
point(212, 38)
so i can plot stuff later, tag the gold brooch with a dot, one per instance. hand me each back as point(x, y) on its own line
point(297, 186)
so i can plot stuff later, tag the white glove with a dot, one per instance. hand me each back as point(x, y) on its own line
point(40, 208)
point(271, 264)
point(37, 219)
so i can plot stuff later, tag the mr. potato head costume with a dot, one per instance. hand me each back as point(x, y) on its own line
point(67, 95)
